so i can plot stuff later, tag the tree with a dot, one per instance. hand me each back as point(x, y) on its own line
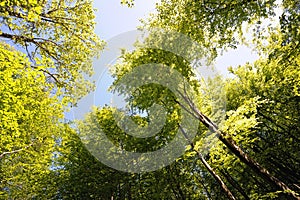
point(29, 126)
point(58, 35)
point(214, 25)
point(43, 157)
point(80, 174)
point(59, 41)
point(180, 180)
point(276, 82)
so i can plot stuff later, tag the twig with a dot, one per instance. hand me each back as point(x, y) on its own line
point(15, 151)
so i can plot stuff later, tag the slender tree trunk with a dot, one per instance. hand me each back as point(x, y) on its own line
point(210, 169)
point(206, 190)
point(179, 193)
point(129, 191)
point(232, 145)
point(234, 184)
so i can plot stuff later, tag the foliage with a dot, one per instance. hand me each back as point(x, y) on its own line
point(276, 82)
point(213, 24)
point(58, 43)
point(58, 35)
point(252, 119)
point(29, 117)
point(257, 137)
point(129, 3)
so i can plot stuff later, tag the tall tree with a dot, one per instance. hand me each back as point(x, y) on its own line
point(58, 42)
point(213, 26)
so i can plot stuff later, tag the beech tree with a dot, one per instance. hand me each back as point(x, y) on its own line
point(253, 151)
point(46, 50)
point(56, 34)
point(218, 26)
point(29, 126)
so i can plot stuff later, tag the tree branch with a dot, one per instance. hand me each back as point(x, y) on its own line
point(15, 151)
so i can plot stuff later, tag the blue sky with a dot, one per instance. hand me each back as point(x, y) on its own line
point(114, 18)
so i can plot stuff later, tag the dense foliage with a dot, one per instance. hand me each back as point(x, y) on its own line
point(248, 149)
point(29, 126)
point(56, 34)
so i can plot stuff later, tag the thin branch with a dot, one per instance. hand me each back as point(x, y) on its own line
point(15, 151)
point(27, 39)
point(50, 74)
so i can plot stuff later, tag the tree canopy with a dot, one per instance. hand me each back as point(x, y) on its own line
point(29, 126)
point(57, 34)
point(239, 134)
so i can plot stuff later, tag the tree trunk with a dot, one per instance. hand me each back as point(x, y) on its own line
point(234, 184)
point(210, 169)
point(232, 145)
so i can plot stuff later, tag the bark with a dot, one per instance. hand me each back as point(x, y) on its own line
point(235, 184)
point(210, 169)
point(232, 145)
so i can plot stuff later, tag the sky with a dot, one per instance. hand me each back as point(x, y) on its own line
point(114, 19)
